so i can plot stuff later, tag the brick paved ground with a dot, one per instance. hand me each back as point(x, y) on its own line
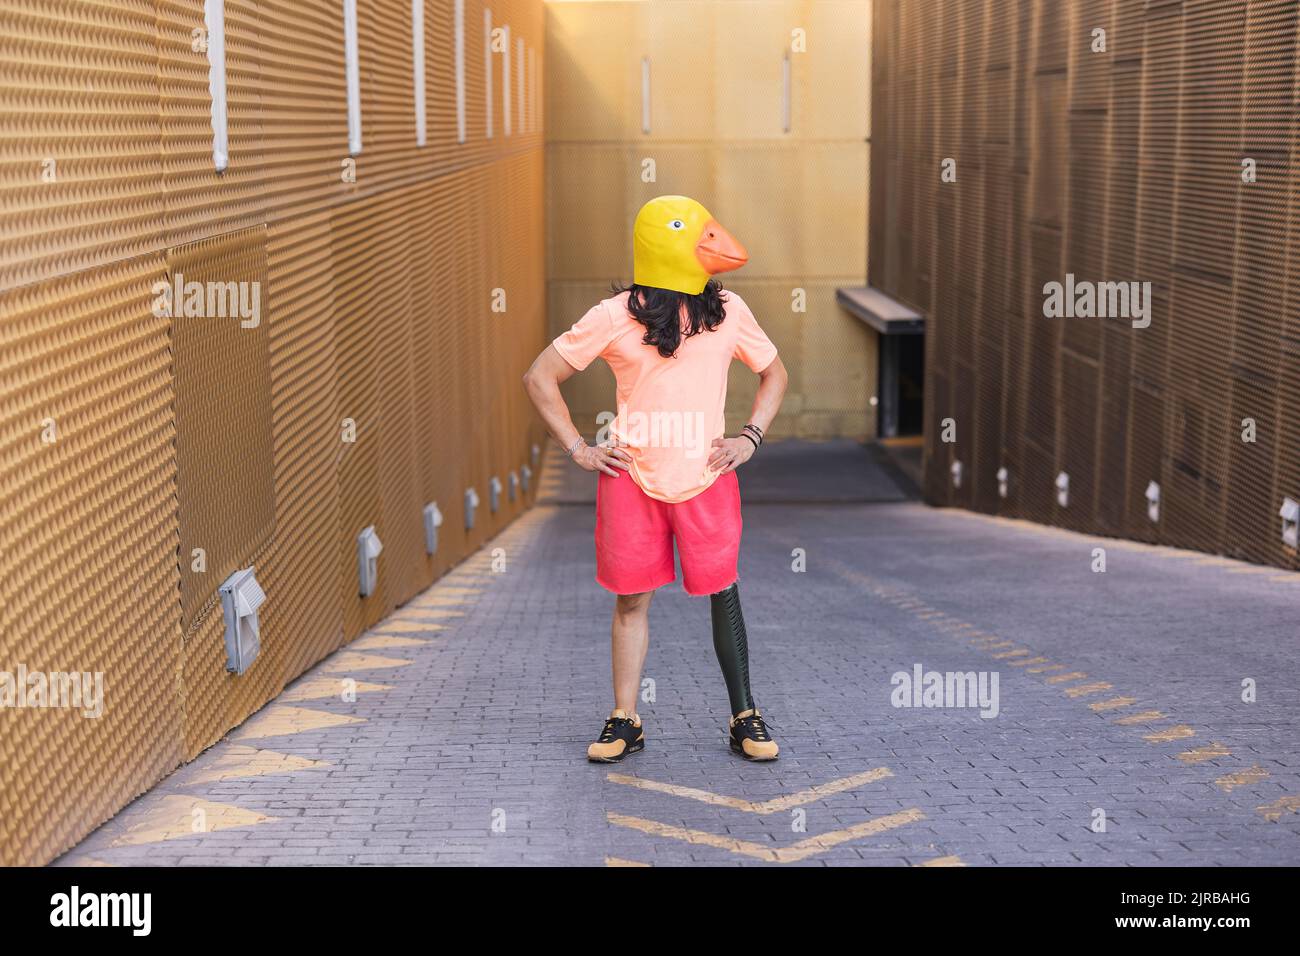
point(1120, 693)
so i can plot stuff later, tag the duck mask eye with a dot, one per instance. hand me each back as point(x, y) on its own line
point(677, 225)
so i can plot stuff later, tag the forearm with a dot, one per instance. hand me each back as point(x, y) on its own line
point(767, 401)
point(551, 406)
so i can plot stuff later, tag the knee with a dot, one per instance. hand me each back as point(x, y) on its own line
point(633, 605)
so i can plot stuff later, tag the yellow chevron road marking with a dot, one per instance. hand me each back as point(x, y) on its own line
point(279, 720)
point(238, 761)
point(1273, 812)
point(770, 854)
point(1083, 690)
point(1027, 661)
point(320, 688)
point(406, 623)
point(775, 805)
point(178, 816)
point(1146, 717)
point(385, 642)
point(1062, 678)
point(619, 861)
point(1113, 704)
point(1172, 733)
point(349, 661)
point(1242, 778)
point(1202, 754)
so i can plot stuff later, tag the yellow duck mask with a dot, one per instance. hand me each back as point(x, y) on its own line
point(678, 245)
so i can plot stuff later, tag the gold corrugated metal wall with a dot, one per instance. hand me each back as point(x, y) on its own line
point(1114, 163)
point(129, 441)
point(796, 198)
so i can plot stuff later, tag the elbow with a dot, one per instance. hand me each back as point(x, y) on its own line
point(533, 383)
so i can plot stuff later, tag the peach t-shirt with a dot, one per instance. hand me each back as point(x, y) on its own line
point(669, 409)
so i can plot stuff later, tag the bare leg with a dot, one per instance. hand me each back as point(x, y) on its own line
point(629, 640)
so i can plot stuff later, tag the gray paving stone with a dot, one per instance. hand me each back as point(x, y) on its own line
point(491, 719)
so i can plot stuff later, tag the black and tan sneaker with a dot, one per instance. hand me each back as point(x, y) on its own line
point(750, 737)
point(622, 736)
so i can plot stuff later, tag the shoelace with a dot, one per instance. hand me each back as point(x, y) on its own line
point(756, 726)
point(607, 735)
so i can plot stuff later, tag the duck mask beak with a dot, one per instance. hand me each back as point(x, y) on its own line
point(718, 250)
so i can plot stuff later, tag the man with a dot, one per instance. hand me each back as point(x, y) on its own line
point(668, 474)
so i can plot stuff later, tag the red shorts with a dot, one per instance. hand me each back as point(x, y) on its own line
point(635, 534)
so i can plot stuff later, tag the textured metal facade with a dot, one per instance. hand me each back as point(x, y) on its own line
point(128, 440)
point(1111, 141)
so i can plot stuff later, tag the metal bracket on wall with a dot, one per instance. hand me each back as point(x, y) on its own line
point(368, 549)
point(527, 478)
point(1063, 490)
point(432, 522)
point(494, 493)
point(512, 486)
point(241, 596)
point(471, 502)
point(1153, 500)
point(1290, 515)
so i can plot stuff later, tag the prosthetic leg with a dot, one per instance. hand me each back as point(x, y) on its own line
point(749, 735)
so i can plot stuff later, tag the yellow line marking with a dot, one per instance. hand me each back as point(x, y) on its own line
point(1083, 690)
point(1202, 754)
point(320, 688)
point(787, 854)
point(1272, 812)
point(775, 805)
point(1172, 733)
point(1242, 778)
point(237, 761)
point(943, 861)
point(404, 623)
point(1286, 579)
point(1028, 661)
point(993, 647)
point(1113, 704)
point(418, 613)
point(174, 817)
point(1006, 654)
point(279, 720)
point(436, 600)
point(385, 642)
point(1146, 717)
point(1062, 678)
point(1049, 667)
point(349, 661)
point(619, 861)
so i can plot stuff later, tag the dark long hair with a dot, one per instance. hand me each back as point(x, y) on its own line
point(660, 311)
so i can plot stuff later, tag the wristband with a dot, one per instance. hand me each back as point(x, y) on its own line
point(755, 430)
point(573, 449)
point(751, 439)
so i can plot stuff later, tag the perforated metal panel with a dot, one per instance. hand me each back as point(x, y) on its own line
point(88, 539)
point(217, 297)
point(1123, 165)
point(375, 298)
